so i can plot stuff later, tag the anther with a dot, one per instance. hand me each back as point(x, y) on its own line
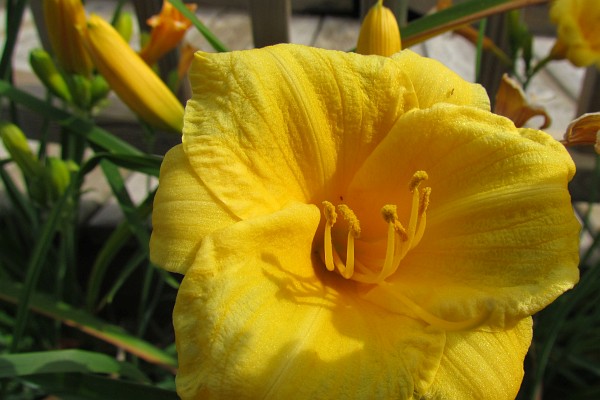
point(416, 180)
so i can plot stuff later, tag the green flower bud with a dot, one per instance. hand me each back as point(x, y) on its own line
point(124, 25)
point(58, 176)
point(100, 89)
point(17, 146)
point(45, 69)
point(81, 89)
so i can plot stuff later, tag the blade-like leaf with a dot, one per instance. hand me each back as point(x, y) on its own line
point(10, 291)
point(77, 125)
point(58, 361)
point(208, 35)
point(73, 386)
point(457, 15)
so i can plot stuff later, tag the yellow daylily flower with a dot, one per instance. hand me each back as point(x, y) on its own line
point(512, 103)
point(63, 19)
point(379, 32)
point(130, 77)
point(356, 227)
point(584, 130)
point(168, 29)
point(578, 23)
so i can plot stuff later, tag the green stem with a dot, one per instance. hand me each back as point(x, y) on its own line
point(538, 67)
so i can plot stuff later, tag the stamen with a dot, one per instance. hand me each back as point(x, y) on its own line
point(423, 205)
point(424, 201)
point(330, 218)
point(434, 320)
point(353, 233)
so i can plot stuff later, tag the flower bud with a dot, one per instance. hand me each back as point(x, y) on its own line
point(58, 177)
point(45, 69)
point(17, 146)
point(81, 89)
point(379, 33)
point(100, 89)
point(63, 19)
point(130, 77)
point(124, 25)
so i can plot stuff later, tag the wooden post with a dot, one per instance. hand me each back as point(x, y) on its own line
point(491, 68)
point(270, 21)
point(589, 99)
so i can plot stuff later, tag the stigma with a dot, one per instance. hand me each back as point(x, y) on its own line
point(400, 239)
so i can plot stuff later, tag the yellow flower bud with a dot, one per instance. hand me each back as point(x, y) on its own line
point(379, 33)
point(63, 18)
point(45, 69)
point(130, 77)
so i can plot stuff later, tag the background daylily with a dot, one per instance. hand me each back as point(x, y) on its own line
point(168, 28)
point(578, 23)
point(357, 227)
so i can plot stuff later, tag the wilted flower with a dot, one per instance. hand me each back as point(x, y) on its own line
point(357, 227)
point(584, 130)
point(168, 29)
point(379, 33)
point(512, 103)
point(578, 24)
point(130, 77)
point(63, 19)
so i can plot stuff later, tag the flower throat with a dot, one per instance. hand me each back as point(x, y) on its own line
point(399, 239)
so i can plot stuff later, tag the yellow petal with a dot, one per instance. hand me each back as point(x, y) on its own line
point(501, 236)
point(184, 212)
point(131, 78)
point(482, 365)
point(288, 123)
point(254, 319)
point(435, 83)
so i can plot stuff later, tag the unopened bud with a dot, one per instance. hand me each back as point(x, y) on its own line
point(45, 69)
point(17, 146)
point(379, 33)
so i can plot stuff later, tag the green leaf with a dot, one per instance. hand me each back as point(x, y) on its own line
point(457, 15)
point(73, 386)
point(55, 361)
point(11, 292)
point(77, 125)
point(208, 35)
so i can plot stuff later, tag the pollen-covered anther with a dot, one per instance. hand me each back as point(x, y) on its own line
point(416, 180)
point(332, 259)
